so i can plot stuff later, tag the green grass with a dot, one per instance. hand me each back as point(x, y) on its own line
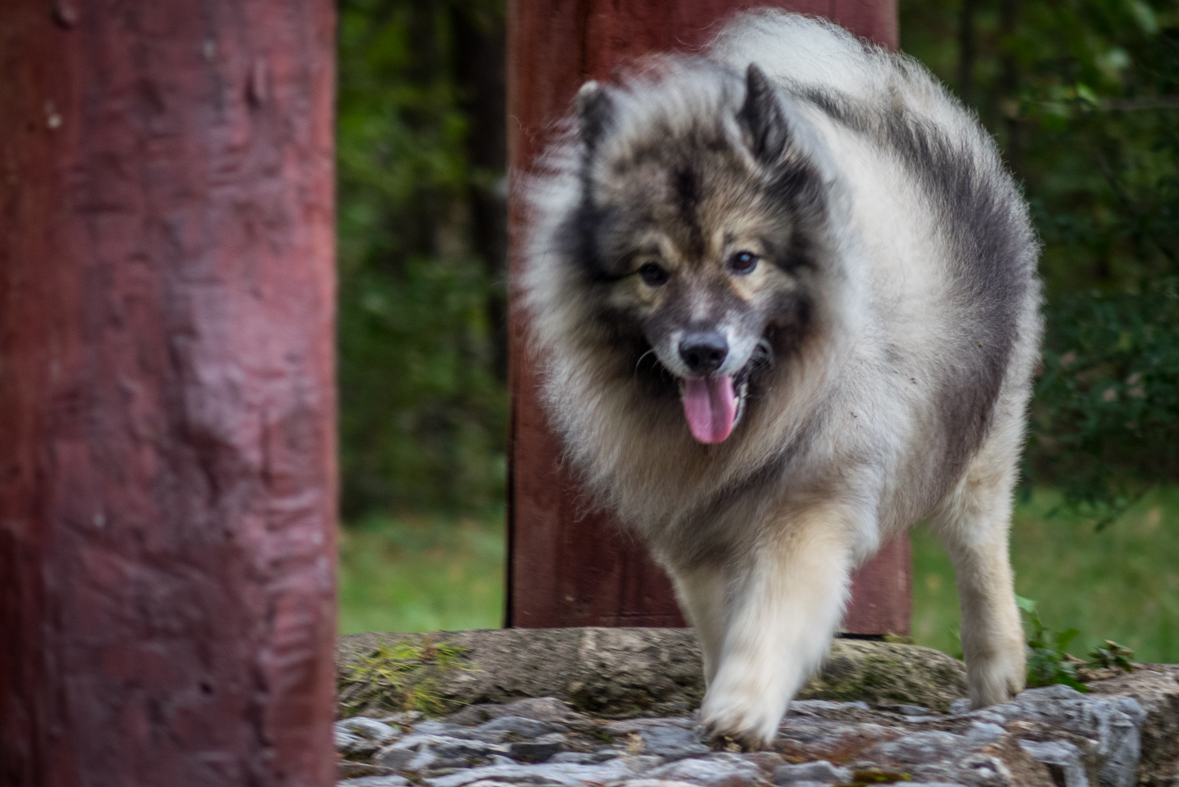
point(1121, 583)
point(442, 573)
point(422, 574)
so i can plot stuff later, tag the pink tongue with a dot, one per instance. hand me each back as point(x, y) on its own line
point(709, 408)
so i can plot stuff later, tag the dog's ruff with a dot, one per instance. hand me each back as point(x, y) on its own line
point(783, 295)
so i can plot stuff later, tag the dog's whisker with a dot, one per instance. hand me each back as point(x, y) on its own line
point(641, 357)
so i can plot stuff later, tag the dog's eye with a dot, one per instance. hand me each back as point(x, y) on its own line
point(653, 274)
point(743, 262)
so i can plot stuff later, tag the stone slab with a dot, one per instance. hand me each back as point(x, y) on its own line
point(623, 672)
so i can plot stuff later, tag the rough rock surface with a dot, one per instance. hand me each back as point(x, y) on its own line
point(627, 671)
point(1125, 732)
point(1156, 688)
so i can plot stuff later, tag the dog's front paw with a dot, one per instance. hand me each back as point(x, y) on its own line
point(743, 715)
point(997, 676)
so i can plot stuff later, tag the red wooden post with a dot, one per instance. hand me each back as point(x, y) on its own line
point(568, 567)
point(167, 431)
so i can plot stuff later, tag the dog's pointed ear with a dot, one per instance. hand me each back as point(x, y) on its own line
point(762, 119)
point(595, 113)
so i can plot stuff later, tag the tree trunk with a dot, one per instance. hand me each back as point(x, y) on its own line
point(167, 432)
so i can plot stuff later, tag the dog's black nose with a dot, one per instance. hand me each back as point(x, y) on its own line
point(704, 352)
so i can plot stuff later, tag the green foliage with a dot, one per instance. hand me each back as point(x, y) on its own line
point(1111, 655)
point(1048, 662)
point(1120, 583)
point(423, 409)
point(1107, 409)
point(1083, 98)
point(436, 573)
point(402, 677)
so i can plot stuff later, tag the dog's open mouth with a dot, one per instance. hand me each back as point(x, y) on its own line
point(713, 406)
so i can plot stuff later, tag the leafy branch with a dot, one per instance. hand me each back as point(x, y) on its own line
point(1050, 663)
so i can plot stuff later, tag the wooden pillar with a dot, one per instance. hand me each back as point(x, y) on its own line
point(167, 430)
point(568, 567)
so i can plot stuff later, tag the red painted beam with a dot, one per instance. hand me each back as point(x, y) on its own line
point(568, 566)
point(167, 429)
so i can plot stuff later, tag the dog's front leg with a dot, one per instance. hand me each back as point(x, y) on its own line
point(784, 605)
point(703, 596)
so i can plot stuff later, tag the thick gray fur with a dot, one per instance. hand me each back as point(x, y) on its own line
point(880, 350)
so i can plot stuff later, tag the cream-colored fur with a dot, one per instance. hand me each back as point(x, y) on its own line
point(778, 616)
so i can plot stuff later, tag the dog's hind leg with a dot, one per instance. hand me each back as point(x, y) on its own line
point(784, 604)
point(973, 523)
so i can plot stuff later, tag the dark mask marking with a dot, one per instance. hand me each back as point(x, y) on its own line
point(686, 185)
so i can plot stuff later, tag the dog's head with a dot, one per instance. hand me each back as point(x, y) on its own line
point(696, 232)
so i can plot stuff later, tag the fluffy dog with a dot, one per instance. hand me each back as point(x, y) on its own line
point(785, 302)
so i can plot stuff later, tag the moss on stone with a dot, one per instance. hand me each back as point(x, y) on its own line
point(405, 675)
point(886, 673)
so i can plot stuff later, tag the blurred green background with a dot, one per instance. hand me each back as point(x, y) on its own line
point(1083, 98)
